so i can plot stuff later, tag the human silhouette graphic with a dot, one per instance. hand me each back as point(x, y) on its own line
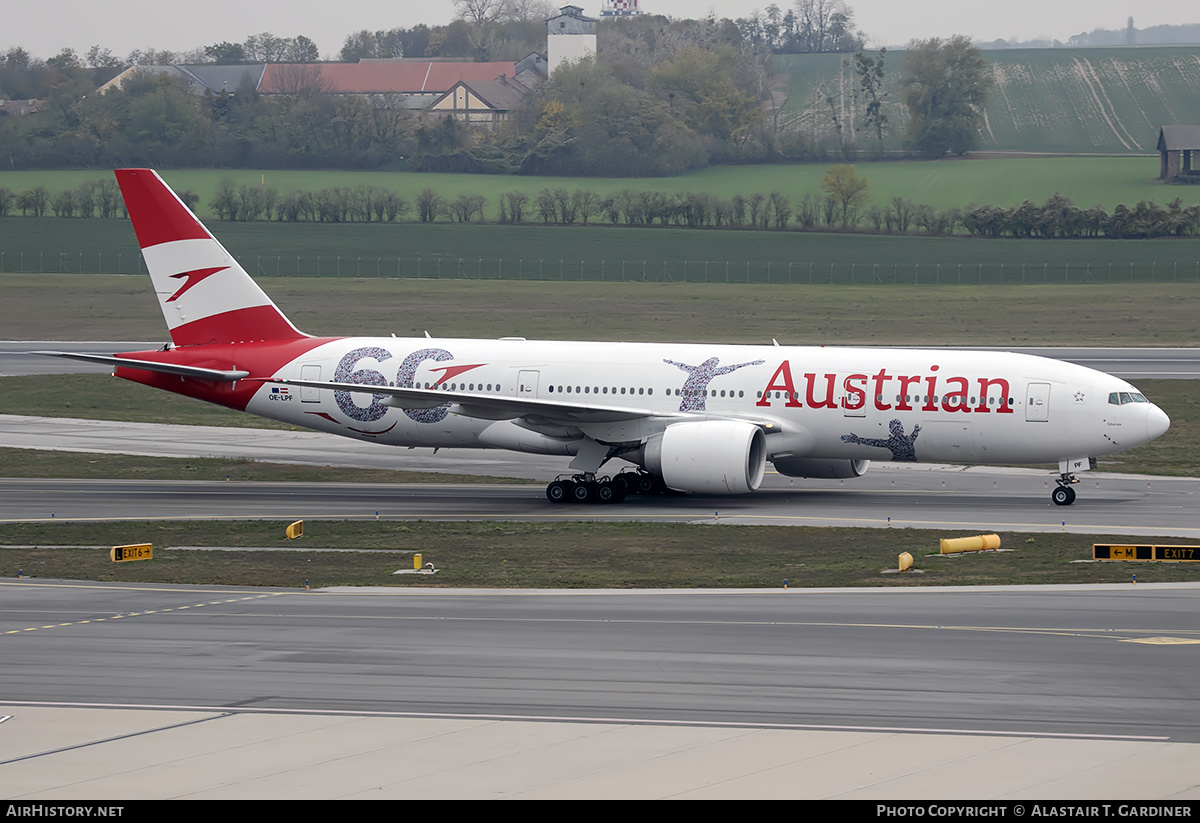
point(695, 388)
point(901, 445)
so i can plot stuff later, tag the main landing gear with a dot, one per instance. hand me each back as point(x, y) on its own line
point(586, 488)
point(1064, 495)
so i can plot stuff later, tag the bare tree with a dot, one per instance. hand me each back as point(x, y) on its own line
point(300, 81)
point(265, 48)
point(478, 11)
point(525, 11)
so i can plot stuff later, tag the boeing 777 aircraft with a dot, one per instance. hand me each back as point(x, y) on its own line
point(691, 417)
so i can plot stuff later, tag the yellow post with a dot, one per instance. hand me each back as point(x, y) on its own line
point(417, 562)
point(905, 561)
point(295, 530)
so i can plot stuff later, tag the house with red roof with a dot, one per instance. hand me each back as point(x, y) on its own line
point(473, 92)
point(478, 93)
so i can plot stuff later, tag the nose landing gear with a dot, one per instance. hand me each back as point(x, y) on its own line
point(1063, 494)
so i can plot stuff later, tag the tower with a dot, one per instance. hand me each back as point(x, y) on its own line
point(620, 8)
point(569, 36)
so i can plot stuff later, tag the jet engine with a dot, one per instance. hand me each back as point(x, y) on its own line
point(816, 467)
point(713, 456)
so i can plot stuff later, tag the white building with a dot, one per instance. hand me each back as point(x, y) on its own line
point(569, 37)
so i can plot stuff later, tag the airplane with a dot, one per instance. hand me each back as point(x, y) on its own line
point(702, 418)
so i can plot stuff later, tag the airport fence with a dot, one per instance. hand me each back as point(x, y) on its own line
point(639, 270)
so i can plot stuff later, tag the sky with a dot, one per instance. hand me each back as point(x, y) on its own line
point(45, 27)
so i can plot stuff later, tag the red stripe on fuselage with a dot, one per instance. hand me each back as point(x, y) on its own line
point(158, 216)
point(263, 359)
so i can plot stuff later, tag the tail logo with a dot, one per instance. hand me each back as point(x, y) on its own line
point(193, 278)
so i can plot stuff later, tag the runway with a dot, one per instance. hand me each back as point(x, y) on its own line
point(1013, 501)
point(1077, 692)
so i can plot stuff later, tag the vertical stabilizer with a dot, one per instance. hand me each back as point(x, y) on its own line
point(205, 295)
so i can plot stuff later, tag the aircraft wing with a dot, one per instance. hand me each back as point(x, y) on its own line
point(490, 406)
point(198, 372)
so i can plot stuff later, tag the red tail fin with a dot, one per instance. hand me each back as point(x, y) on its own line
point(205, 296)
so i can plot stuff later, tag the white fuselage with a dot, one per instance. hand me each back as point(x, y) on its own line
point(836, 403)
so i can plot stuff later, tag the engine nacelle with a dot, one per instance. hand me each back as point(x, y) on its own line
point(822, 469)
point(712, 456)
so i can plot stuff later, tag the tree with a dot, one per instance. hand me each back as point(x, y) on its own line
point(265, 48)
point(478, 11)
point(301, 50)
point(225, 53)
point(593, 124)
point(66, 62)
point(98, 58)
point(429, 205)
point(872, 82)
point(847, 191)
point(945, 87)
point(699, 85)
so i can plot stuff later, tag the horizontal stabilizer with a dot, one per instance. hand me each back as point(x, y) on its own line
point(215, 375)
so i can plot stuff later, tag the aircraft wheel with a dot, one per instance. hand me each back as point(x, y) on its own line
point(609, 492)
point(1063, 496)
point(649, 484)
point(584, 492)
point(559, 492)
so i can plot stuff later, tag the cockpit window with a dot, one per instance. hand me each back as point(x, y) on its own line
point(1121, 398)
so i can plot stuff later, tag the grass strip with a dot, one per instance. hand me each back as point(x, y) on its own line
point(112, 307)
point(558, 555)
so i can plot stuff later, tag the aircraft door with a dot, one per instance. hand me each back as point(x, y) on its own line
point(527, 384)
point(311, 371)
point(1037, 407)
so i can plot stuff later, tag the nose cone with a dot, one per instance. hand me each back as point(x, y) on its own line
point(1157, 422)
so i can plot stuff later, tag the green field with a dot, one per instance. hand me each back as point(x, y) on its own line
point(445, 251)
point(109, 307)
point(556, 555)
point(1078, 101)
point(1007, 182)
